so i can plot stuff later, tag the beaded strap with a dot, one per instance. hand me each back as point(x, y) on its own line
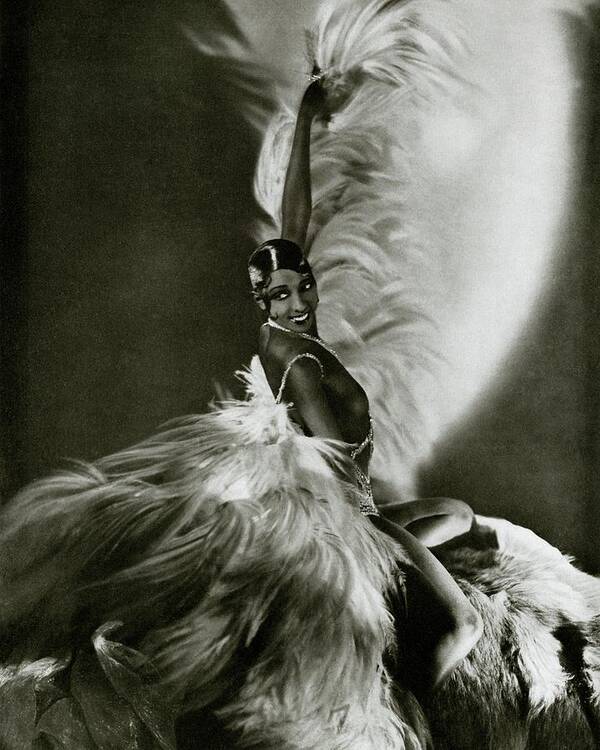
point(286, 372)
point(307, 336)
point(366, 503)
point(367, 442)
point(363, 481)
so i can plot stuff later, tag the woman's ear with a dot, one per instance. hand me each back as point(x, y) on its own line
point(258, 298)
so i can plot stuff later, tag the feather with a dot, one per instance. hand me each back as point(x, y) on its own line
point(517, 685)
point(385, 64)
point(229, 548)
point(368, 264)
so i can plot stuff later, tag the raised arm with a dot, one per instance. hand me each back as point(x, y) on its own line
point(297, 199)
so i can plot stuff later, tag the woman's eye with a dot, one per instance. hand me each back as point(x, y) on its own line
point(279, 295)
point(307, 286)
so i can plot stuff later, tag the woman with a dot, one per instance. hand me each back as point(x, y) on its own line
point(222, 568)
point(327, 402)
point(540, 612)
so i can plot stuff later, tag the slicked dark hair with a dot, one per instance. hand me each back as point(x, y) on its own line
point(271, 256)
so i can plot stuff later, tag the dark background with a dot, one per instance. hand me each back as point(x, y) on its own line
point(126, 209)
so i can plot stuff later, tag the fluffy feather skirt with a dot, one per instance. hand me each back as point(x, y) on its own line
point(222, 565)
point(226, 550)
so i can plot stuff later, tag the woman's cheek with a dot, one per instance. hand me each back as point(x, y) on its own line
point(277, 309)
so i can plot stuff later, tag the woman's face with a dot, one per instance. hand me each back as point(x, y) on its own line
point(292, 300)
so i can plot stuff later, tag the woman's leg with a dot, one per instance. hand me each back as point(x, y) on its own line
point(432, 520)
point(443, 624)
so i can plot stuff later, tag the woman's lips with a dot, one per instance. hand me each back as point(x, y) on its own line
point(300, 318)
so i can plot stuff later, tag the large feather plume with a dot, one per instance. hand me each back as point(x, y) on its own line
point(381, 60)
point(386, 64)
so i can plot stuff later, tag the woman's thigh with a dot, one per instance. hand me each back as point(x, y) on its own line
point(432, 521)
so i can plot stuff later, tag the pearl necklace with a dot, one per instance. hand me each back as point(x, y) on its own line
point(316, 339)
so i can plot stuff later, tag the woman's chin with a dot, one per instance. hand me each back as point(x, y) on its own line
point(302, 324)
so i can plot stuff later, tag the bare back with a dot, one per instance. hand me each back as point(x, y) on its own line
point(345, 397)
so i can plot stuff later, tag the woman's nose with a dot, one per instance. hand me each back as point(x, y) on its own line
point(297, 303)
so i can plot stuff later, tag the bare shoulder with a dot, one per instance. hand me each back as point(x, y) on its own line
point(277, 350)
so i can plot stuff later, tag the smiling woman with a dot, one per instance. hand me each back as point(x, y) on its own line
point(283, 285)
point(293, 300)
point(236, 565)
point(327, 402)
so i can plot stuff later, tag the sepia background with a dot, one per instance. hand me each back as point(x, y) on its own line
point(128, 206)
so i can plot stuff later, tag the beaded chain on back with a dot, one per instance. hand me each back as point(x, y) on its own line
point(367, 505)
point(308, 336)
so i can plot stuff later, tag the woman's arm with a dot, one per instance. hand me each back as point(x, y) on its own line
point(297, 199)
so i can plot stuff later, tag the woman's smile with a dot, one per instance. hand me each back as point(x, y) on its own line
point(292, 300)
point(300, 319)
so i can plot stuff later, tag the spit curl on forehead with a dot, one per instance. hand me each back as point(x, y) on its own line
point(272, 256)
